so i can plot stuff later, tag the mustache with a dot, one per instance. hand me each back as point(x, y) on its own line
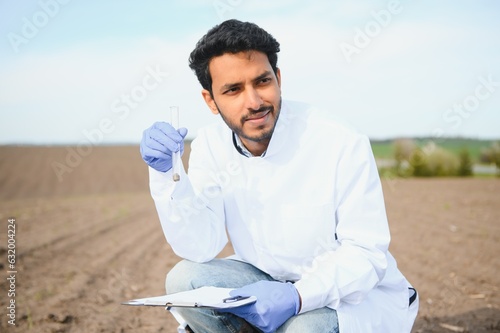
point(262, 109)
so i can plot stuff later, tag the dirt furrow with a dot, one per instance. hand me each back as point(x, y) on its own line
point(93, 240)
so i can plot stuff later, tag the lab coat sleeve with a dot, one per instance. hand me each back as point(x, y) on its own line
point(358, 262)
point(191, 213)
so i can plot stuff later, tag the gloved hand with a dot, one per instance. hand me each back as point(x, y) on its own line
point(158, 142)
point(276, 303)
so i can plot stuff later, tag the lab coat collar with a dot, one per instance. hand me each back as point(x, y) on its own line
point(281, 131)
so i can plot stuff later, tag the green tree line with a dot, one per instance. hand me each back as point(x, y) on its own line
point(431, 160)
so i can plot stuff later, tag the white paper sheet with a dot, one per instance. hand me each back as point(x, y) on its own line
point(211, 297)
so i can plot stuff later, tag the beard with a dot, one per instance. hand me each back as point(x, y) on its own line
point(262, 134)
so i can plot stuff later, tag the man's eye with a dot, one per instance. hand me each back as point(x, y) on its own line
point(265, 80)
point(231, 90)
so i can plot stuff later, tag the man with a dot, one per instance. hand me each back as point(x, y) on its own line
point(298, 195)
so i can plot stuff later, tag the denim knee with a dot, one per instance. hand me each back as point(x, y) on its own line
point(178, 278)
point(319, 320)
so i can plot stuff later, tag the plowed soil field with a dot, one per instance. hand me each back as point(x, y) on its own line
point(88, 237)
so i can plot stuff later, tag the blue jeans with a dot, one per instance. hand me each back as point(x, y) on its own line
point(187, 275)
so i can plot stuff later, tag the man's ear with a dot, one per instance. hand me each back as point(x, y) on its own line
point(207, 96)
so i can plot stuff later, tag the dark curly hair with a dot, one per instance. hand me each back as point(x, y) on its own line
point(231, 36)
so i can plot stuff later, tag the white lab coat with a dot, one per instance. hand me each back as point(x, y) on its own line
point(311, 210)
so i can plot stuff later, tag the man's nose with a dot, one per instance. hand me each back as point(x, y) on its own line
point(253, 99)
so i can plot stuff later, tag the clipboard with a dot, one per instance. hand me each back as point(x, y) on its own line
point(204, 297)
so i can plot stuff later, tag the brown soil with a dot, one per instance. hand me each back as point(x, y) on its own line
point(92, 239)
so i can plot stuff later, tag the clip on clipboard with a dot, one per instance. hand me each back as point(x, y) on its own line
point(204, 297)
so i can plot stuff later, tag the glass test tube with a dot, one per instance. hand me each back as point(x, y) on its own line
point(176, 156)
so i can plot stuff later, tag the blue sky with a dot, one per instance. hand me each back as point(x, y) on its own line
point(102, 71)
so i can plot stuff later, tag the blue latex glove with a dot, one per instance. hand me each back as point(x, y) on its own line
point(158, 142)
point(276, 303)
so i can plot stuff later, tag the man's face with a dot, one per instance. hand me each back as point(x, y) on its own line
point(247, 94)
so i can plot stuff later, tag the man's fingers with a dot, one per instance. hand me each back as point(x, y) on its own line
point(183, 132)
point(168, 131)
point(157, 154)
point(159, 140)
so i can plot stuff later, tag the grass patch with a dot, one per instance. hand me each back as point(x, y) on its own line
point(383, 149)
